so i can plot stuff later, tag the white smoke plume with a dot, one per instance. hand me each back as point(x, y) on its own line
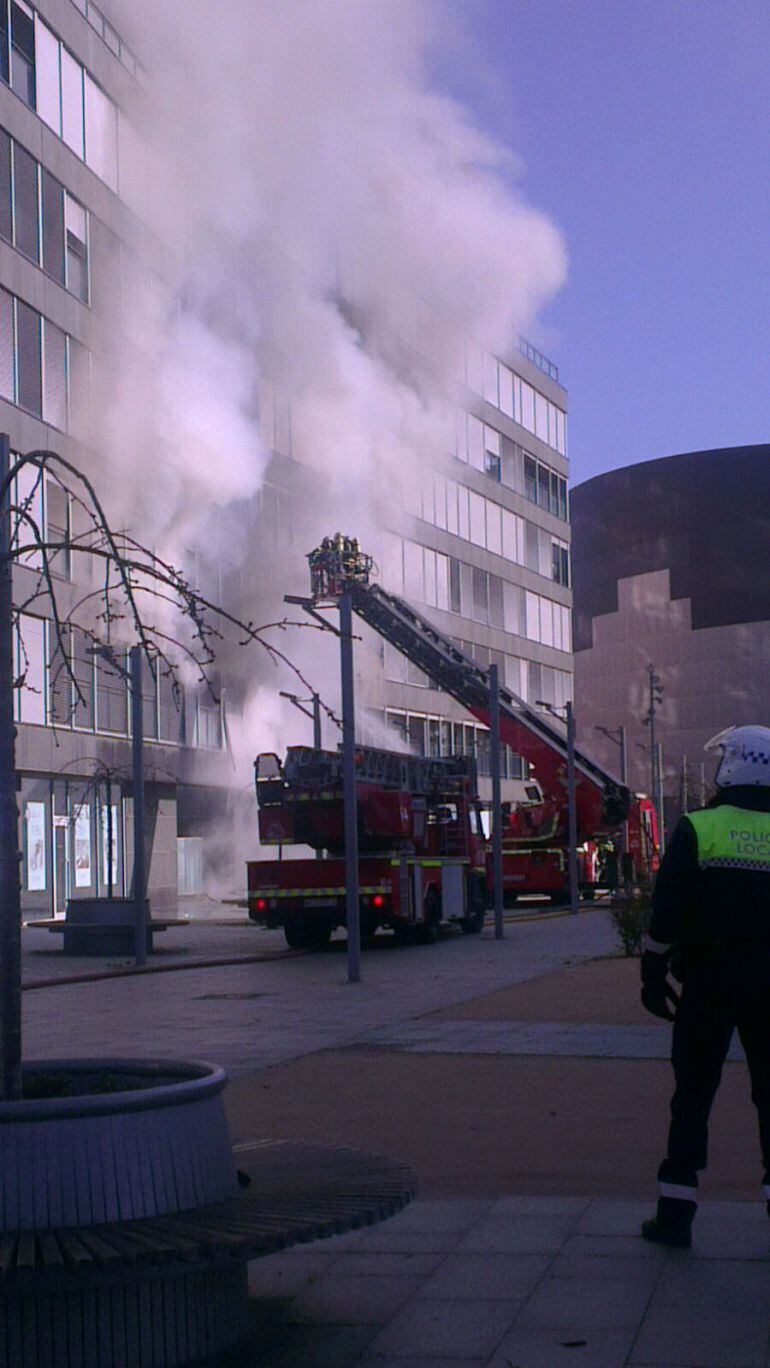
point(326, 208)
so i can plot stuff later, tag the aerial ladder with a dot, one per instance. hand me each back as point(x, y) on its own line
point(603, 802)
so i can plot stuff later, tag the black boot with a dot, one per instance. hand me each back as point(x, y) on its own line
point(672, 1223)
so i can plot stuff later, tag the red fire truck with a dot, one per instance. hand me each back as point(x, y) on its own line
point(421, 844)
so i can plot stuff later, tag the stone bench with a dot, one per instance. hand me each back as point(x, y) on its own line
point(107, 933)
point(178, 1278)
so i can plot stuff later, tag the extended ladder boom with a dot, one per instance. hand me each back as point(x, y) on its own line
point(338, 567)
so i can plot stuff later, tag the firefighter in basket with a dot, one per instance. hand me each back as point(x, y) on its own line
point(711, 927)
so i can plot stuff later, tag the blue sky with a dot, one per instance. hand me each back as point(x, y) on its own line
point(644, 129)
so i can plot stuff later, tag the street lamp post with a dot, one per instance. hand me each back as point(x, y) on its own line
point(352, 911)
point(656, 770)
point(497, 819)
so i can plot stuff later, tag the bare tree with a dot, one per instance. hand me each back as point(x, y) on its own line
point(138, 599)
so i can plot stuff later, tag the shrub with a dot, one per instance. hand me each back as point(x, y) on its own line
point(631, 913)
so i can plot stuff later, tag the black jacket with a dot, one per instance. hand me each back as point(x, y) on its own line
point(699, 909)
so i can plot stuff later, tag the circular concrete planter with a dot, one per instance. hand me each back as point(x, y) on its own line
point(157, 1143)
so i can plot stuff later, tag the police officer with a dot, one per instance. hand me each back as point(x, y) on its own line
point(711, 924)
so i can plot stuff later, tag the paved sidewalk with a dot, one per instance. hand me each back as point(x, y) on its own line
point(518, 1282)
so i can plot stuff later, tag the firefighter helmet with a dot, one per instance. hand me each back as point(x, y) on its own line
point(744, 756)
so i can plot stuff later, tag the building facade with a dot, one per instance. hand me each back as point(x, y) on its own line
point(669, 567)
point(481, 543)
point(68, 243)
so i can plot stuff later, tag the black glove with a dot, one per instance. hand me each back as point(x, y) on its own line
point(658, 996)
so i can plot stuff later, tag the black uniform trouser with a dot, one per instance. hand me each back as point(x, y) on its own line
point(717, 999)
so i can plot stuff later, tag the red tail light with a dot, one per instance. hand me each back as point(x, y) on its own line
point(378, 900)
point(261, 904)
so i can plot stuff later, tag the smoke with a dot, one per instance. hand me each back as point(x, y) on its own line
point(336, 227)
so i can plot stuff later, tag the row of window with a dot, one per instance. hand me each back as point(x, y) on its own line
point(109, 35)
point(485, 449)
point(45, 75)
point(455, 508)
point(516, 398)
point(429, 577)
point(531, 681)
point(436, 736)
point(42, 369)
point(85, 690)
point(41, 219)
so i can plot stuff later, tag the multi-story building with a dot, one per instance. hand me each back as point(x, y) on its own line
point(67, 243)
point(481, 542)
point(487, 551)
point(669, 572)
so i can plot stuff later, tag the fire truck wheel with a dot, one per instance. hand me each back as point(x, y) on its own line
point(430, 929)
point(303, 934)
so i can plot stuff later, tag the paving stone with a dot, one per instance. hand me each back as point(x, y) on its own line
point(386, 1361)
point(736, 1285)
point(301, 1346)
point(283, 1274)
point(364, 1264)
point(461, 1329)
point(451, 1214)
point(485, 1276)
point(388, 1239)
point(352, 1300)
point(613, 1246)
point(574, 1304)
point(517, 1235)
point(713, 1336)
point(606, 1216)
point(539, 1206)
point(604, 1268)
point(550, 1349)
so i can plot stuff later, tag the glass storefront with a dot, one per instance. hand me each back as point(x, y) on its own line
point(72, 842)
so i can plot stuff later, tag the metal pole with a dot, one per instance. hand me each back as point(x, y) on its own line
point(352, 913)
point(624, 840)
point(574, 891)
point(652, 735)
point(497, 814)
point(10, 891)
point(137, 755)
point(685, 785)
point(661, 814)
point(702, 783)
point(317, 741)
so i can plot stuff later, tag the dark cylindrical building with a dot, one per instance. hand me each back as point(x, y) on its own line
point(671, 567)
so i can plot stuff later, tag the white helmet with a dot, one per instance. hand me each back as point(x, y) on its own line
point(744, 756)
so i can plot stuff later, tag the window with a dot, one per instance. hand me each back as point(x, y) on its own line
point(55, 377)
point(480, 596)
point(478, 533)
point(77, 247)
point(506, 391)
point(83, 712)
point(59, 682)
point(7, 347)
point(29, 385)
point(101, 134)
point(72, 103)
point(494, 528)
point(57, 509)
point(23, 52)
point(30, 670)
point(543, 486)
point(476, 456)
point(530, 478)
point(454, 585)
point(79, 377)
point(26, 218)
point(6, 212)
point(53, 227)
point(491, 383)
point(170, 710)
point(112, 694)
point(48, 76)
point(4, 48)
point(492, 452)
point(496, 614)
